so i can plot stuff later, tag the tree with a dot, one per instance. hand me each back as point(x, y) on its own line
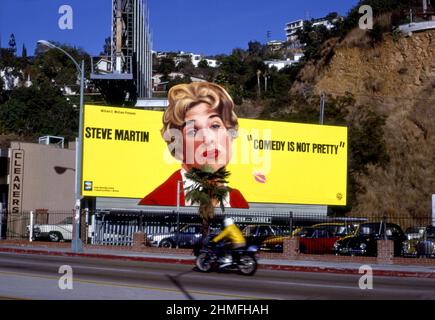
point(331, 16)
point(186, 67)
point(51, 65)
point(255, 48)
point(178, 80)
point(38, 110)
point(24, 52)
point(208, 190)
point(107, 48)
point(2, 92)
point(203, 64)
point(313, 38)
point(12, 44)
point(11, 66)
point(166, 66)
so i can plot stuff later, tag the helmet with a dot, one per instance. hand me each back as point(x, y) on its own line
point(228, 222)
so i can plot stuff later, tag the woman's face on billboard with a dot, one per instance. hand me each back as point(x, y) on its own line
point(206, 140)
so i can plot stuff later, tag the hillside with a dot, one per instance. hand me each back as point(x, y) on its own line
point(395, 78)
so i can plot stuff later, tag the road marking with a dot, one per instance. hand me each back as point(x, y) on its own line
point(113, 284)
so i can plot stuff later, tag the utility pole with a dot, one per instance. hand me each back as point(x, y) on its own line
point(322, 107)
point(258, 83)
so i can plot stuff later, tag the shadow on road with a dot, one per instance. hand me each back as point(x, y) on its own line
point(177, 283)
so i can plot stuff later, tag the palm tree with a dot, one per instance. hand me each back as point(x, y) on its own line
point(209, 189)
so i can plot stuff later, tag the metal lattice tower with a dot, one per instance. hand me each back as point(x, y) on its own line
point(131, 56)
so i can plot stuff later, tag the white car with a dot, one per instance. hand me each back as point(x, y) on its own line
point(54, 232)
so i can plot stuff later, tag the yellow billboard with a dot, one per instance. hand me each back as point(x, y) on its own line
point(124, 155)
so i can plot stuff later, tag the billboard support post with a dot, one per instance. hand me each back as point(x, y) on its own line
point(31, 226)
point(178, 212)
point(433, 210)
point(1, 220)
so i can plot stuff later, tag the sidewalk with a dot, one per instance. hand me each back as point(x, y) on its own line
point(423, 271)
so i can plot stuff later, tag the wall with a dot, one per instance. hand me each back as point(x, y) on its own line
point(47, 180)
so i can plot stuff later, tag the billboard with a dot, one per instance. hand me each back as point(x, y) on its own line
point(124, 155)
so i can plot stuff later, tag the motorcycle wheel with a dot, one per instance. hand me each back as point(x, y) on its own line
point(203, 263)
point(247, 265)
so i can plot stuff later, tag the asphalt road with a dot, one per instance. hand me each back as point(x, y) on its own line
point(37, 277)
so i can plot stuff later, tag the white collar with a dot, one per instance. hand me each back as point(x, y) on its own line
point(187, 183)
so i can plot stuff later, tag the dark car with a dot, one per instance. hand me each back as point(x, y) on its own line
point(188, 237)
point(425, 247)
point(364, 241)
point(256, 234)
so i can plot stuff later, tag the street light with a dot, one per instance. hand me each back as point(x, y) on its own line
point(76, 244)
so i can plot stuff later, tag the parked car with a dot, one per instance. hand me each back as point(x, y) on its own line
point(364, 241)
point(415, 232)
point(257, 234)
point(425, 247)
point(338, 229)
point(409, 248)
point(53, 232)
point(319, 238)
point(189, 236)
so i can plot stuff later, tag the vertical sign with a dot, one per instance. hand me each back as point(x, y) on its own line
point(16, 182)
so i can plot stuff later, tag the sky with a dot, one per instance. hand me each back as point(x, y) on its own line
point(206, 27)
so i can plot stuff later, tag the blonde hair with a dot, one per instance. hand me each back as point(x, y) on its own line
point(183, 97)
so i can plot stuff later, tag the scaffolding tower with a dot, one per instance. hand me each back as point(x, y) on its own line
point(130, 53)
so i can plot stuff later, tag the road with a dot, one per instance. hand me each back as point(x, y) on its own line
point(37, 277)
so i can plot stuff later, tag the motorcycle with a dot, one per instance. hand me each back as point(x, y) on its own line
point(215, 257)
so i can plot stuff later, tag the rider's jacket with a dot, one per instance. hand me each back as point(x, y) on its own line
point(231, 233)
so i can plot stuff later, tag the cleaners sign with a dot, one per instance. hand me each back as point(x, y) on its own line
point(124, 155)
point(16, 182)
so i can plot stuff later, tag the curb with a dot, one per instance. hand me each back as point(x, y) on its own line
point(382, 273)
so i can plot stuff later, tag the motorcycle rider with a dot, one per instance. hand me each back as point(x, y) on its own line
point(233, 234)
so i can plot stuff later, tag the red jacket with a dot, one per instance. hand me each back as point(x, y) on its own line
point(166, 194)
